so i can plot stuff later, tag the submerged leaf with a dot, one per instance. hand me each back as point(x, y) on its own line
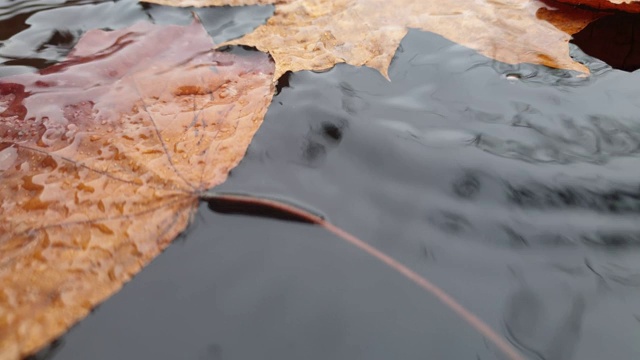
point(203, 3)
point(317, 34)
point(102, 160)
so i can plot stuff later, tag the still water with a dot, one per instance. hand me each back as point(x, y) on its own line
point(514, 188)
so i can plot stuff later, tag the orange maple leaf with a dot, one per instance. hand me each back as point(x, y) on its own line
point(102, 161)
point(317, 34)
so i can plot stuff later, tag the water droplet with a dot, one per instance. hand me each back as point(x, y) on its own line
point(103, 228)
point(8, 157)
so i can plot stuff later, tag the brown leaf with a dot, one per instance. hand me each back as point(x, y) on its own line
point(203, 3)
point(317, 34)
point(567, 18)
point(102, 160)
point(632, 6)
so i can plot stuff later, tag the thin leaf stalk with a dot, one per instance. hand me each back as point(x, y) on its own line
point(307, 216)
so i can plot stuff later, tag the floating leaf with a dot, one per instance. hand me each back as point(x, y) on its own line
point(102, 160)
point(317, 34)
point(203, 3)
point(632, 6)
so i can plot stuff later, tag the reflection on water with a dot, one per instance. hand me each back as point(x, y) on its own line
point(613, 39)
point(545, 320)
point(513, 187)
point(36, 34)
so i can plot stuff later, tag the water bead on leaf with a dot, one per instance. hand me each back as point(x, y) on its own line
point(102, 160)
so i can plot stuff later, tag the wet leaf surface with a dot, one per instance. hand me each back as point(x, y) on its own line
point(202, 3)
point(434, 168)
point(102, 160)
point(511, 186)
point(316, 35)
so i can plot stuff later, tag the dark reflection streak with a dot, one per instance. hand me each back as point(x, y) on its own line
point(566, 337)
point(232, 206)
point(264, 206)
point(332, 131)
point(15, 10)
point(418, 140)
point(612, 240)
point(515, 237)
point(538, 196)
point(569, 270)
point(468, 186)
point(36, 63)
point(428, 253)
point(145, 9)
point(13, 25)
point(602, 280)
point(49, 351)
point(535, 322)
point(612, 39)
point(630, 52)
point(283, 82)
point(348, 90)
point(61, 40)
point(120, 43)
point(512, 339)
point(322, 138)
point(515, 313)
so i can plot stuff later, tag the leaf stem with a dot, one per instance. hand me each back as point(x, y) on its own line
point(307, 216)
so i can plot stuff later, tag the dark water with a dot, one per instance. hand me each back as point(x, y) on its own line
point(514, 188)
